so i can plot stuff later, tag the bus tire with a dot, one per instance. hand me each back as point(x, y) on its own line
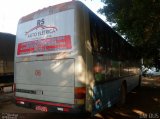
point(122, 95)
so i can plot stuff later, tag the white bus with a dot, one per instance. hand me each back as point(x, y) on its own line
point(68, 60)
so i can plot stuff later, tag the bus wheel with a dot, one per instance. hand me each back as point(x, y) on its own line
point(122, 96)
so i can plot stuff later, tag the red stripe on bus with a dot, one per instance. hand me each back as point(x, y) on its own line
point(45, 103)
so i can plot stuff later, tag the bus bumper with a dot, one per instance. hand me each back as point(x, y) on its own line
point(49, 106)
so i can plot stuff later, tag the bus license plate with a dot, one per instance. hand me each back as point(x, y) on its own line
point(41, 108)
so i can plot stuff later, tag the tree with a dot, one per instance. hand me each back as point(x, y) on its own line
point(138, 21)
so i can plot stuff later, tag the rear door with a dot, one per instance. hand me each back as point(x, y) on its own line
point(49, 80)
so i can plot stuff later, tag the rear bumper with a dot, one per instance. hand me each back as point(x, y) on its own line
point(49, 106)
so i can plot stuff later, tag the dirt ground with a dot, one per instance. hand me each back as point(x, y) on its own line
point(142, 103)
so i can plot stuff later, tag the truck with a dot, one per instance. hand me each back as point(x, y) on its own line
point(7, 45)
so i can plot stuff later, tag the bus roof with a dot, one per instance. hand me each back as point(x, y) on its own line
point(63, 7)
point(50, 10)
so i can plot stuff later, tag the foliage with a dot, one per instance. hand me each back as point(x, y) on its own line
point(138, 21)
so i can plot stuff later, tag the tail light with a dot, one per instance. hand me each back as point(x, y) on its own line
point(80, 95)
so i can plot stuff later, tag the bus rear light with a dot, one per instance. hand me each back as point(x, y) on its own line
point(79, 101)
point(79, 96)
point(80, 92)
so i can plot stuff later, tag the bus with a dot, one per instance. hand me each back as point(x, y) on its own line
point(68, 60)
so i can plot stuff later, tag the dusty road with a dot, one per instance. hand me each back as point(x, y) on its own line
point(142, 103)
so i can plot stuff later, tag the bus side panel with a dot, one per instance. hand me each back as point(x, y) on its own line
point(106, 94)
point(132, 82)
point(84, 61)
point(89, 62)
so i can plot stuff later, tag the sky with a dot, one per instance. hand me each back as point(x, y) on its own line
point(12, 10)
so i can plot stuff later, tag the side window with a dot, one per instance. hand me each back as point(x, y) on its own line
point(93, 34)
point(122, 51)
point(101, 38)
point(124, 69)
point(108, 43)
point(98, 49)
point(115, 69)
point(99, 69)
point(94, 40)
point(97, 31)
point(1, 66)
point(115, 47)
point(133, 70)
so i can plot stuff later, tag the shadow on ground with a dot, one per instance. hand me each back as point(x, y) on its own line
point(142, 103)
